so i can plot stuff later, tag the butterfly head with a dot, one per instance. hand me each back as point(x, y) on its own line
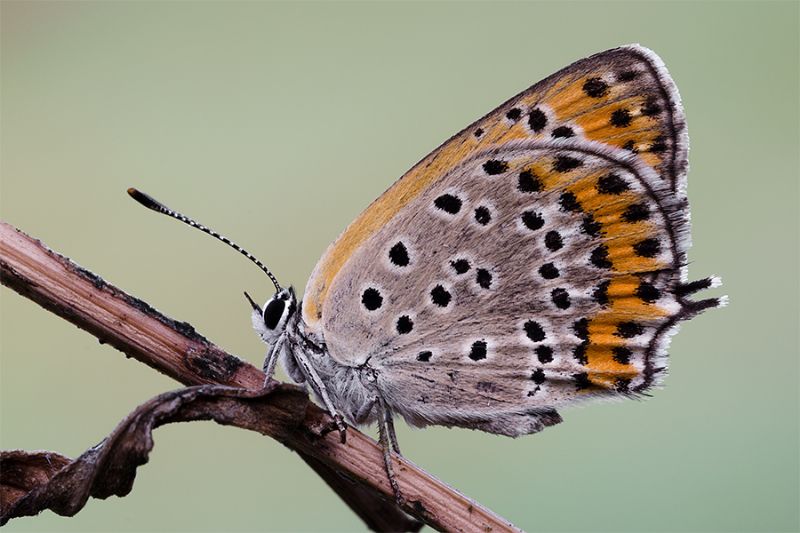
point(270, 321)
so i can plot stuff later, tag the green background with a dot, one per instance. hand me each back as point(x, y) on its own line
point(276, 124)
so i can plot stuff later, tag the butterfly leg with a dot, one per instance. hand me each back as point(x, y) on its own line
point(319, 387)
point(272, 359)
point(388, 441)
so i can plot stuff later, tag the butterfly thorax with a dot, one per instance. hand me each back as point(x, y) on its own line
point(351, 388)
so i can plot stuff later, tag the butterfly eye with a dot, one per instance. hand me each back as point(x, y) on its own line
point(273, 313)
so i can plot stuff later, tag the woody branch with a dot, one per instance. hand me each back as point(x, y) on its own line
point(177, 350)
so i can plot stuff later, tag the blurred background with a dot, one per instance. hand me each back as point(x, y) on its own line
point(276, 124)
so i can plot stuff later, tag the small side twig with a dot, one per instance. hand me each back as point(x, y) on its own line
point(177, 350)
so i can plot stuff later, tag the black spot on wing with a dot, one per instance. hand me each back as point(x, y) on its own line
point(404, 325)
point(372, 299)
point(647, 248)
point(621, 354)
point(537, 120)
point(595, 87)
point(534, 331)
point(548, 271)
point(636, 213)
point(484, 278)
point(628, 330)
point(553, 241)
point(398, 255)
point(478, 350)
point(565, 163)
point(460, 266)
point(513, 114)
point(495, 166)
point(611, 184)
point(621, 118)
point(599, 257)
point(440, 296)
point(532, 220)
point(544, 354)
point(560, 298)
point(482, 215)
point(563, 132)
point(528, 182)
point(648, 292)
point(448, 203)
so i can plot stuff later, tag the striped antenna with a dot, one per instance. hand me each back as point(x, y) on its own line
point(151, 203)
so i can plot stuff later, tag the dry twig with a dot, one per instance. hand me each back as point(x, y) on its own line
point(177, 350)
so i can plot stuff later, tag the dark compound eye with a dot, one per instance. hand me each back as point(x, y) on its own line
point(273, 313)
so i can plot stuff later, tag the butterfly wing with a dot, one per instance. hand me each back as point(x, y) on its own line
point(622, 97)
point(522, 266)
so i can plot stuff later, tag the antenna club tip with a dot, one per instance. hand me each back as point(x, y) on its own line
point(144, 199)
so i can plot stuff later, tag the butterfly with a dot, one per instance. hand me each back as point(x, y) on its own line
point(536, 259)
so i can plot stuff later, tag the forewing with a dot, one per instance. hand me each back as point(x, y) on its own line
point(622, 97)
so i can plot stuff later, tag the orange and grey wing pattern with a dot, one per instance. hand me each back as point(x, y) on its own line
point(530, 276)
point(622, 98)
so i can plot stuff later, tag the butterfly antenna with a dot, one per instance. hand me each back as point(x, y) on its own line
point(151, 203)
